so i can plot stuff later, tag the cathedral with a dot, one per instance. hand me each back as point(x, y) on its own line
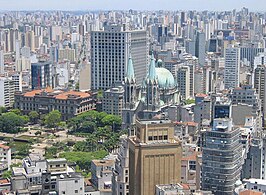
point(159, 90)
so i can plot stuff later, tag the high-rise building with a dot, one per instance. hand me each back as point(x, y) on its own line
point(17, 78)
point(41, 75)
point(259, 83)
point(221, 157)
point(232, 67)
point(120, 182)
point(154, 156)
point(113, 100)
point(110, 50)
point(2, 63)
point(200, 47)
point(249, 53)
point(7, 92)
point(67, 54)
point(85, 76)
point(183, 81)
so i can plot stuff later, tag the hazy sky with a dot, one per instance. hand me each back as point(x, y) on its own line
point(255, 5)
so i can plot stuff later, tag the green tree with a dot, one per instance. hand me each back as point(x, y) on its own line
point(112, 120)
point(2, 109)
point(52, 119)
point(88, 127)
point(16, 111)
point(100, 94)
point(34, 116)
point(11, 122)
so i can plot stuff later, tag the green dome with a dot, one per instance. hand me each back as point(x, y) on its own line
point(165, 78)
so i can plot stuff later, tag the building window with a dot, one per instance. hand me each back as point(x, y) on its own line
point(76, 181)
point(76, 191)
point(63, 192)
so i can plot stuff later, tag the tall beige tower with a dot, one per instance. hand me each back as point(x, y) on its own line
point(154, 156)
point(85, 76)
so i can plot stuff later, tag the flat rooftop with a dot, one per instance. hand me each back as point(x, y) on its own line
point(154, 121)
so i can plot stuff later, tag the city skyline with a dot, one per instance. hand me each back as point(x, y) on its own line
point(137, 5)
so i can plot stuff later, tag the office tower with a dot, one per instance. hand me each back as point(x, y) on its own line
point(2, 63)
point(154, 156)
point(110, 50)
point(183, 19)
point(162, 34)
point(200, 47)
point(112, 102)
point(190, 47)
point(7, 92)
point(259, 83)
point(183, 81)
point(213, 45)
point(232, 67)
point(249, 53)
point(221, 157)
point(41, 75)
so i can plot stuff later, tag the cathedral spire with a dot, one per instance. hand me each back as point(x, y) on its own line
point(152, 73)
point(130, 69)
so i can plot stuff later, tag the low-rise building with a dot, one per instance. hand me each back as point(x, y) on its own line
point(69, 104)
point(39, 176)
point(101, 175)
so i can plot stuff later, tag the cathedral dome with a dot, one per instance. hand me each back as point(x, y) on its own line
point(165, 78)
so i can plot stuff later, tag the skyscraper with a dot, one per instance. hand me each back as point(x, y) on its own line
point(110, 50)
point(259, 83)
point(2, 64)
point(154, 156)
point(221, 157)
point(200, 47)
point(41, 75)
point(183, 81)
point(232, 67)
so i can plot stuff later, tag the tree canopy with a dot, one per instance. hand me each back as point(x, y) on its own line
point(11, 122)
point(52, 119)
point(34, 116)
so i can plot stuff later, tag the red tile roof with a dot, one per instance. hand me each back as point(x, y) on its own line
point(4, 146)
point(250, 192)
